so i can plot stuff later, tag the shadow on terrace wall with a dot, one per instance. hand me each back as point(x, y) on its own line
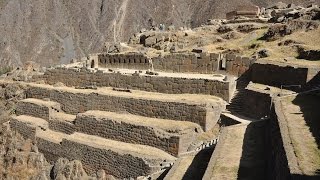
point(199, 165)
point(310, 109)
point(253, 162)
point(314, 82)
point(277, 168)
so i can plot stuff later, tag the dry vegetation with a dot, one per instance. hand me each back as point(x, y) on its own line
point(248, 44)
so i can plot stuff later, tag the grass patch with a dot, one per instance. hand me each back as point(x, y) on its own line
point(5, 70)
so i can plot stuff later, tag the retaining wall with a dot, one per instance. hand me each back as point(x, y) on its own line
point(204, 63)
point(37, 108)
point(24, 129)
point(63, 126)
point(255, 104)
point(95, 156)
point(119, 159)
point(127, 61)
point(128, 129)
point(162, 84)
point(277, 75)
point(237, 65)
point(72, 101)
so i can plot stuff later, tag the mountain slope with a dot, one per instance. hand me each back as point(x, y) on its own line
point(52, 32)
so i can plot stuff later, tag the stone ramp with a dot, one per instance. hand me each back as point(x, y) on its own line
point(122, 160)
point(240, 153)
point(179, 168)
point(171, 136)
point(192, 166)
point(296, 120)
point(225, 160)
point(27, 125)
point(37, 108)
point(200, 109)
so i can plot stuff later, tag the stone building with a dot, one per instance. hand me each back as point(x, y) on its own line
point(244, 11)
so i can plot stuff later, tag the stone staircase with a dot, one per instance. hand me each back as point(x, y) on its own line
point(235, 105)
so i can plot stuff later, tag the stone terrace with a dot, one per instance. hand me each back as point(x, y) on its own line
point(171, 83)
point(120, 159)
point(171, 136)
point(135, 123)
point(65, 121)
point(138, 159)
point(201, 109)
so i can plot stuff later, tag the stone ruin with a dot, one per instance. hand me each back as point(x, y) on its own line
point(144, 131)
point(244, 11)
point(185, 115)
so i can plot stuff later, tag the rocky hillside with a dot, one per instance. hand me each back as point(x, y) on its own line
point(53, 32)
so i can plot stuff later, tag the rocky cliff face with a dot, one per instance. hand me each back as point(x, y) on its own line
point(53, 32)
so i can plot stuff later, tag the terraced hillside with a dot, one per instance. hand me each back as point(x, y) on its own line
point(233, 99)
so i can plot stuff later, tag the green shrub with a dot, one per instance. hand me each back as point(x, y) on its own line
point(4, 70)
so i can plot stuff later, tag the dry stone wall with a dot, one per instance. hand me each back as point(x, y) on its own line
point(36, 108)
point(237, 65)
point(94, 152)
point(170, 85)
point(124, 128)
point(187, 63)
point(63, 126)
point(203, 63)
point(133, 132)
point(255, 104)
point(27, 131)
point(93, 157)
point(277, 75)
point(205, 114)
point(127, 61)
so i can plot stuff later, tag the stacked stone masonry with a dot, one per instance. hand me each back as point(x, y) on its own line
point(62, 122)
point(37, 108)
point(204, 63)
point(279, 75)
point(259, 100)
point(72, 101)
point(94, 152)
point(127, 61)
point(174, 139)
point(27, 125)
point(161, 84)
point(120, 159)
point(99, 153)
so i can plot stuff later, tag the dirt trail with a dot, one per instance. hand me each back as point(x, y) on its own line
point(118, 21)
